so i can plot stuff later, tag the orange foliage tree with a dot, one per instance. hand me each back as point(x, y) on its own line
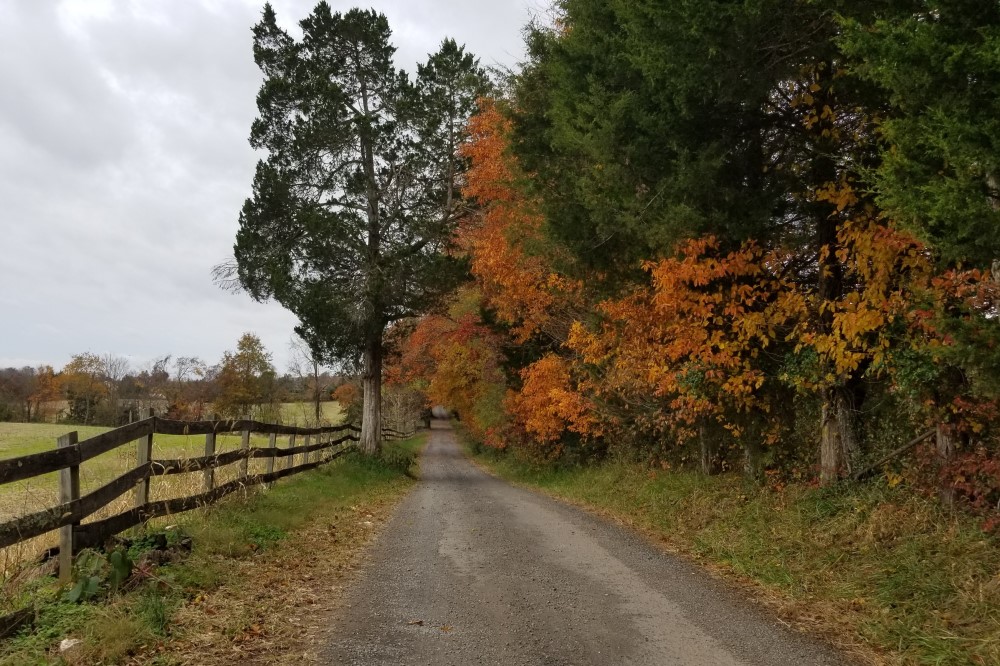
point(511, 257)
point(455, 360)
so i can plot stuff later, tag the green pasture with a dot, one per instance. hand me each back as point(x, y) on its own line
point(304, 413)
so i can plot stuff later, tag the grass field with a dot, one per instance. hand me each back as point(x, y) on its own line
point(303, 413)
point(19, 439)
point(292, 413)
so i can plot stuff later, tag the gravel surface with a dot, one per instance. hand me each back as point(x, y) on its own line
point(472, 570)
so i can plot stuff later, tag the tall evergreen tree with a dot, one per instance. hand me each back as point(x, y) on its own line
point(939, 61)
point(645, 123)
point(353, 207)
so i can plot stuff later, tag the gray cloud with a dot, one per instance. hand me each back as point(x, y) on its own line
point(124, 161)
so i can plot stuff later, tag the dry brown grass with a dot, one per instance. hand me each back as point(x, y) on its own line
point(277, 609)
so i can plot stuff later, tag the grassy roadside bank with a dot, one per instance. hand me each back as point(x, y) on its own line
point(260, 573)
point(885, 574)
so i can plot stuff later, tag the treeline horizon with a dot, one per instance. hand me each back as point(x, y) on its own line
point(107, 390)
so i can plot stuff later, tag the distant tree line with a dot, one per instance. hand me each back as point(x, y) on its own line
point(108, 390)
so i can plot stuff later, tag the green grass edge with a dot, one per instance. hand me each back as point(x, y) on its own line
point(115, 624)
point(885, 573)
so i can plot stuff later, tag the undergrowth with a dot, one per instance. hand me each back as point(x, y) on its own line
point(121, 619)
point(883, 571)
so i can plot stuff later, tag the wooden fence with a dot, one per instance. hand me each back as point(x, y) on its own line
point(321, 445)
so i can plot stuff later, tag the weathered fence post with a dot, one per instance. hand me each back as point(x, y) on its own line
point(143, 454)
point(307, 455)
point(245, 448)
point(69, 491)
point(291, 458)
point(209, 451)
point(272, 443)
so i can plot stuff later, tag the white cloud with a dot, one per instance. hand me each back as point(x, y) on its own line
point(124, 161)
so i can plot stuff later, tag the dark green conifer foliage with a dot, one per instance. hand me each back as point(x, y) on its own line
point(939, 61)
point(648, 122)
point(355, 202)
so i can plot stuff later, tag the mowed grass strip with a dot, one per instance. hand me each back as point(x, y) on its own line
point(264, 571)
point(888, 575)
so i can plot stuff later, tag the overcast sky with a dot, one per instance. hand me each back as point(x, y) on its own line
point(124, 162)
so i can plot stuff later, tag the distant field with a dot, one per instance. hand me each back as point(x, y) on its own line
point(303, 413)
point(19, 439)
point(292, 413)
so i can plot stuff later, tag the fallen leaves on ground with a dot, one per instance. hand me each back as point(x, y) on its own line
point(277, 605)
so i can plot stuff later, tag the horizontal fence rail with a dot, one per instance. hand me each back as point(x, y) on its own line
point(321, 446)
point(94, 534)
point(26, 467)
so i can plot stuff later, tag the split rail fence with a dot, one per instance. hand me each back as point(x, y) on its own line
point(321, 445)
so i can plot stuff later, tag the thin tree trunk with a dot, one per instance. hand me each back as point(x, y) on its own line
point(945, 440)
point(709, 452)
point(316, 391)
point(371, 409)
point(371, 379)
point(751, 457)
point(838, 437)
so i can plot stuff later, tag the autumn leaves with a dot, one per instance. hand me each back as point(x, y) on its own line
point(708, 259)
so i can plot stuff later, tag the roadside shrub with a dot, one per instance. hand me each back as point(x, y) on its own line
point(397, 459)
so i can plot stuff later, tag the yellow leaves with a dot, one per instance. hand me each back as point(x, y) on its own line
point(885, 266)
point(841, 193)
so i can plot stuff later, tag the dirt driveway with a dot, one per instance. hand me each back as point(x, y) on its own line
point(472, 570)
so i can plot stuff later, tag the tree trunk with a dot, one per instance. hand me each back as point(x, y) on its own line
point(709, 452)
point(838, 436)
point(945, 440)
point(751, 457)
point(317, 397)
point(371, 381)
point(316, 391)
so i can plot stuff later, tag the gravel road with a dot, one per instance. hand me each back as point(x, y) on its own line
point(472, 570)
